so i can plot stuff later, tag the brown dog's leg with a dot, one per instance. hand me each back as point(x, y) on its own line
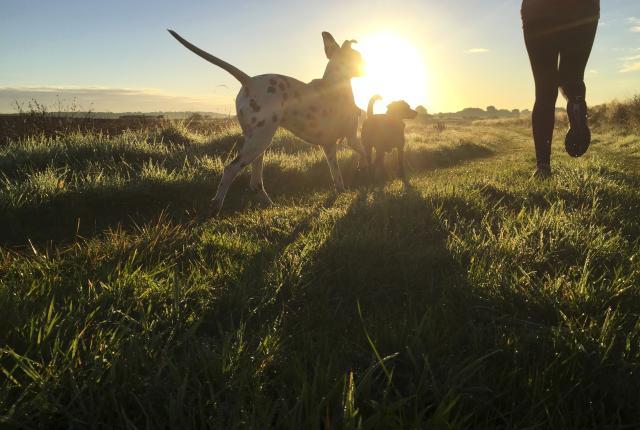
point(401, 170)
point(379, 164)
point(367, 156)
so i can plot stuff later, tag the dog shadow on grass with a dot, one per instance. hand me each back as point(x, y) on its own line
point(380, 285)
point(383, 309)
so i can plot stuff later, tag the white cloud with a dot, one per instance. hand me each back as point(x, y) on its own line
point(478, 51)
point(631, 67)
point(630, 63)
point(635, 24)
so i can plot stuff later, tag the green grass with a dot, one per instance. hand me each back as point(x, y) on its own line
point(475, 298)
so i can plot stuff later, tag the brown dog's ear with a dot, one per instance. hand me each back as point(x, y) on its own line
point(330, 44)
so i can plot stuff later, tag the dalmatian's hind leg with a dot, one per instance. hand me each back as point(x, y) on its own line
point(253, 148)
point(257, 185)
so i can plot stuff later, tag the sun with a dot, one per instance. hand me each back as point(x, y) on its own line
point(394, 69)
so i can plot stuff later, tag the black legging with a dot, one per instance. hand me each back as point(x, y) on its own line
point(558, 53)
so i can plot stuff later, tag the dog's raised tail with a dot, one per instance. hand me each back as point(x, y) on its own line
point(372, 102)
point(237, 73)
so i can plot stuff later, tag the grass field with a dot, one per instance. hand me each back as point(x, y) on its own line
point(474, 298)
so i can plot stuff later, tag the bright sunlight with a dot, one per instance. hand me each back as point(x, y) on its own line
point(394, 69)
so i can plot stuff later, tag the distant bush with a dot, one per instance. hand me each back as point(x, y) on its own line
point(617, 114)
point(34, 118)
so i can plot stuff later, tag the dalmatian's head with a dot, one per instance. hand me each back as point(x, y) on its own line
point(344, 61)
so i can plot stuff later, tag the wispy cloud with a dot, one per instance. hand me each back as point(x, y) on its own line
point(635, 24)
point(110, 99)
point(478, 51)
point(631, 67)
point(630, 64)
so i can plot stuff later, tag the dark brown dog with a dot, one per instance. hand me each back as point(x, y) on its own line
point(386, 132)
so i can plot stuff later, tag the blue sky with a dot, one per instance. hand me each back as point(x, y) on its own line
point(117, 55)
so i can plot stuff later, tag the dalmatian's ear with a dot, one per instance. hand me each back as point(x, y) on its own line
point(330, 44)
point(348, 43)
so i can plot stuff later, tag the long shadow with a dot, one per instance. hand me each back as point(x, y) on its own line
point(232, 302)
point(385, 300)
point(384, 268)
point(401, 253)
point(73, 215)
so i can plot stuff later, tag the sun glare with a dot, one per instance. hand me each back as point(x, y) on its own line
point(394, 69)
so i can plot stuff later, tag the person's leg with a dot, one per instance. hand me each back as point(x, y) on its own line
point(575, 50)
point(543, 55)
point(574, 54)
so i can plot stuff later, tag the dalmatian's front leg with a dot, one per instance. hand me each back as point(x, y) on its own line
point(330, 152)
point(356, 145)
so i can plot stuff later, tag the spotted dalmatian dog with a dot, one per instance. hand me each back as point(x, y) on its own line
point(322, 112)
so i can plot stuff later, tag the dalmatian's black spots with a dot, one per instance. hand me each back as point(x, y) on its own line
point(261, 116)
